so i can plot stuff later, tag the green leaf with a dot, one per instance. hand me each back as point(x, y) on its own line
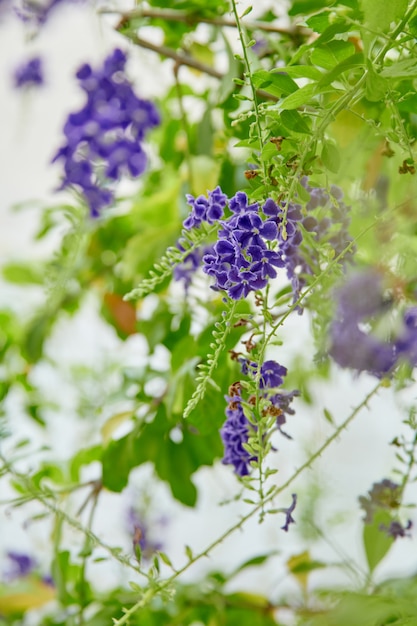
point(294, 121)
point(277, 84)
point(330, 157)
point(376, 542)
point(35, 337)
point(255, 561)
point(407, 68)
point(165, 558)
point(300, 97)
point(22, 274)
point(332, 53)
point(328, 416)
point(379, 16)
point(303, 7)
point(355, 60)
point(376, 85)
point(174, 462)
point(85, 456)
point(299, 71)
point(318, 22)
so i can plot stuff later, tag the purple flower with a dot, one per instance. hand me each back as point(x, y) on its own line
point(272, 375)
point(251, 230)
point(354, 348)
point(406, 343)
point(282, 403)
point(396, 529)
point(140, 534)
point(210, 209)
point(21, 565)
point(288, 517)
point(362, 301)
point(103, 138)
point(361, 297)
point(235, 433)
point(29, 74)
point(185, 271)
point(239, 204)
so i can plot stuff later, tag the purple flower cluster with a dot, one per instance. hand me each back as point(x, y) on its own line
point(235, 433)
point(29, 74)
point(241, 261)
point(210, 209)
point(360, 302)
point(251, 243)
point(104, 138)
point(236, 429)
point(328, 216)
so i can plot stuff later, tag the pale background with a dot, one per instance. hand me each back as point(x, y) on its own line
point(30, 132)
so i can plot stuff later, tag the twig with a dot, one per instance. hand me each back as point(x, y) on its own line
point(193, 18)
point(186, 59)
point(180, 59)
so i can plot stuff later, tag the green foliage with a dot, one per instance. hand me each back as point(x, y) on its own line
point(377, 543)
point(326, 102)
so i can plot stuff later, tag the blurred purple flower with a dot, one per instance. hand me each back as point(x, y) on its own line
point(29, 74)
point(141, 535)
point(104, 138)
point(360, 302)
point(20, 565)
point(396, 529)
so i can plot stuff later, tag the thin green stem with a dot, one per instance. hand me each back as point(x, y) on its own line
point(252, 86)
point(82, 580)
point(256, 509)
point(44, 496)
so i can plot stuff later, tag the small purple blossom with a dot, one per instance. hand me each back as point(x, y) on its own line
point(288, 513)
point(396, 529)
point(205, 209)
point(104, 138)
point(282, 401)
point(140, 533)
point(272, 375)
point(20, 565)
point(186, 270)
point(29, 74)
point(235, 433)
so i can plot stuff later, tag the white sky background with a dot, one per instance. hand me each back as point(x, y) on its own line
point(30, 133)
